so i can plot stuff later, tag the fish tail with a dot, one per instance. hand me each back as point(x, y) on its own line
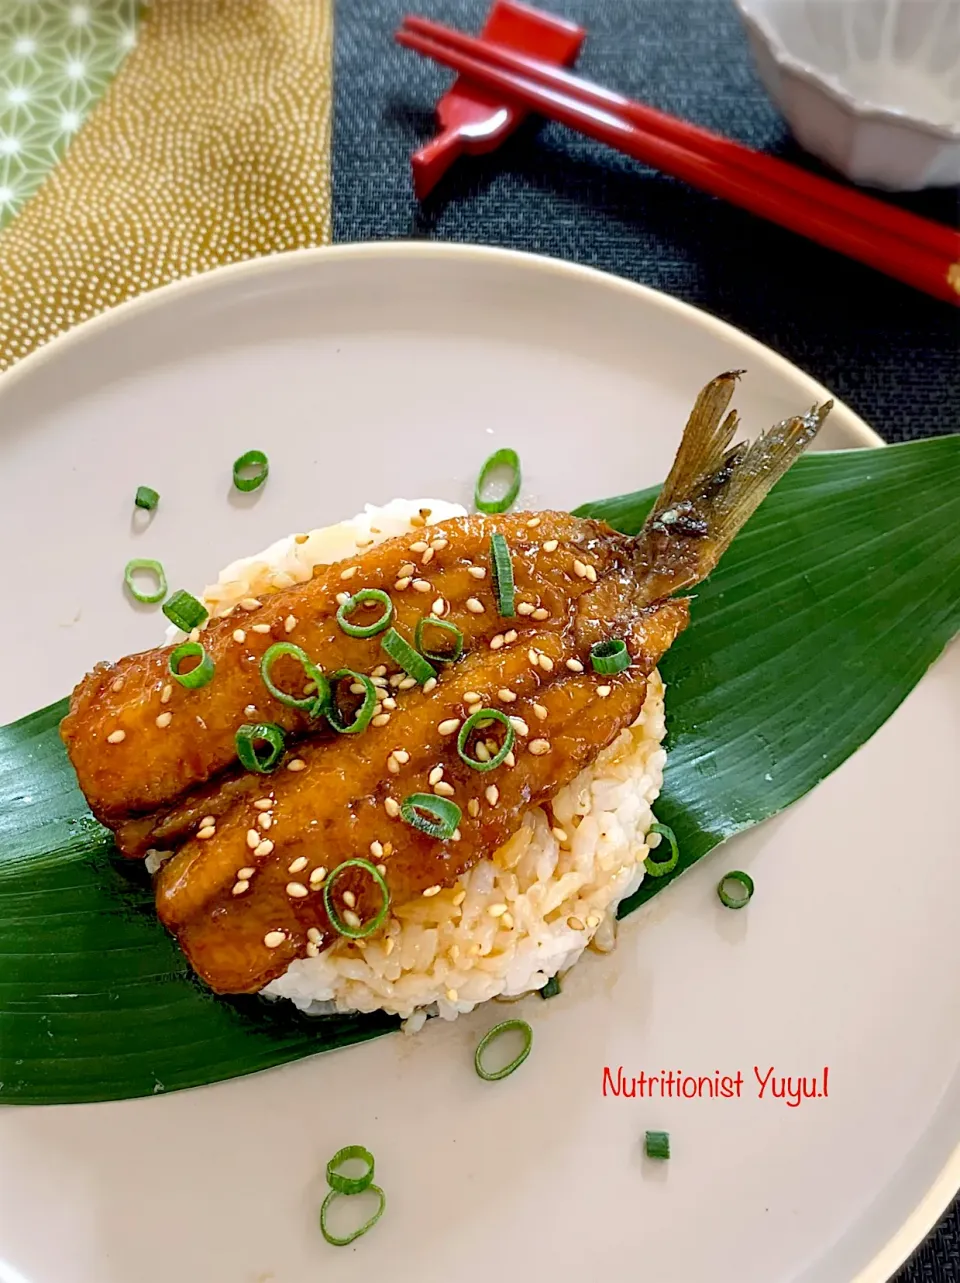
point(713, 487)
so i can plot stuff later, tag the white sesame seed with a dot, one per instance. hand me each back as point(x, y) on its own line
point(379, 682)
point(265, 847)
point(539, 747)
point(314, 935)
point(407, 570)
point(496, 642)
point(246, 873)
point(239, 635)
point(475, 606)
point(440, 543)
point(533, 523)
point(443, 789)
point(449, 725)
point(263, 803)
point(492, 794)
point(541, 613)
point(540, 711)
point(264, 820)
point(550, 546)
point(580, 569)
point(349, 899)
point(427, 557)
point(459, 898)
point(520, 726)
point(429, 685)
point(496, 910)
point(250, 710)
point(376, 849)
point(349, 572)
point(419, 519)
point(117, 684)
point(406, 683)
point(510, 760)
point(439, 608)
point(207, 831)
point(604, 691)
point(274, 938)
point(533, 656)
point(401, 755)
point(574, 924)
point(421, 585)
point(116, 737)
point(240, 886)
point(290, 623)
point(166, 693)
point(525, 608)
point(473, 807)
point(510, 636)
point(298, 764)
point(250, 603)
point(452, 995)
point(481, 752)
point(392, 807)
point(436, 775)
point(419, 546)
point(593, 920)
point(381, 869)
point(298, 865)
point(351, 919)
point(297, 890)
point(507, 921)
point(381, 719)
point(357, 688)
point(208, 819)
point(402, 583)
point(653, 840)
point(508, 696)
point(313, 950)
point(591, 574)
point(253, 838)
point(546, 663)
point(389, 945)
point(164, 720)
point(396, 679)
point(559, 834)
point(477, 572)
point(474, 708)
point(316, 877)
point(434, 890)
point(574, 665)
point(194, 635)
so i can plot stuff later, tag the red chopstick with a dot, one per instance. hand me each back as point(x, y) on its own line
point(921, 253)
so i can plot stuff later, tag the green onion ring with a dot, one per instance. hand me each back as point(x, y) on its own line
point(358, 598)
point(366, 928)
point(350, 1184)
point(446, 814)
point(610, 656)
point(197, 676)
point(744, 881)
point(438, 656)
point(402, 653)
point(246, 739)
point(502, 569)
point(314, 704)
point(504, 458)
point(368, 1224)
point(151, 567)
point(252, 459)
point(551, 988)
point(185, 611)
point(659, 868)
point(493, 1076)
point(361, 718)
point(146, 498)
point(471, 724)
point(657, 1144)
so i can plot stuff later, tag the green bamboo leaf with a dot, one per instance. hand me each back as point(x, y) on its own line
point(827, 610)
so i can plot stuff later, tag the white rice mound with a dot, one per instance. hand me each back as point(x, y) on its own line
point(515, 919)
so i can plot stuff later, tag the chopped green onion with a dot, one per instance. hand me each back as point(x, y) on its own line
point(551, 988)
point(439, 656)
point(313, 704)
point(195, 677)
point(351, 604)
point(494, 1075)
point(249, 736)
point(146, 498)
point(502, 568)
point(361, 718)
point(610, 656)
point(365, 928)
point(185, 611)
point(250, 471)
point(350, 1184)
point(504, 458)
point(657, 1144)
point(743, 884)
point(658, 868)
point(438, 817)
point(144, 565)
point(480, 718)
point(336, 1240)
point(402, 653)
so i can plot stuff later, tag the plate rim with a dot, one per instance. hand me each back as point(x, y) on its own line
point(943, 1189)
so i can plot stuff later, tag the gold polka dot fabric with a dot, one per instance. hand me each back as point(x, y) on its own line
point(211, 145)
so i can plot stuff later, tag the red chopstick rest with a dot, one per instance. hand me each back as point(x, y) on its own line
point(474, 120)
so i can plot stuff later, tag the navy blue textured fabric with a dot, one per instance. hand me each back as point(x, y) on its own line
point(891, 353)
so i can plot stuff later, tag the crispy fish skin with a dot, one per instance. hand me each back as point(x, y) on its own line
point(337, 807)
point(154, 765)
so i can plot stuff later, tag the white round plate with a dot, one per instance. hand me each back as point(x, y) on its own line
point(375, 371)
